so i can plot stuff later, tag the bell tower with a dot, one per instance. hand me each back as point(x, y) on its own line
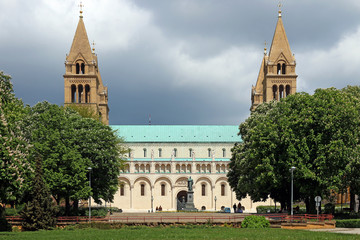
point(277, 77)
point(82, 81)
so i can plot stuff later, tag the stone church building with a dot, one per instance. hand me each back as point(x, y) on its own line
point(163, 157)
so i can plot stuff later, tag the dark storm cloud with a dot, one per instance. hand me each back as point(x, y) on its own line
point(182, 61)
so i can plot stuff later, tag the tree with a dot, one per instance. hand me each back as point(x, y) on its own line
point(14, 148)
point(85, 111)
point(65, 171)
point(318, 134)
point(100, 145)
point(39, 213)
point(69, 145)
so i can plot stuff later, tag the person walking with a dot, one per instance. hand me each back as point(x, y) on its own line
point(234, 206)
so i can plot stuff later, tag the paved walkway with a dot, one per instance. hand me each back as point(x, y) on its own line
point(339, 230)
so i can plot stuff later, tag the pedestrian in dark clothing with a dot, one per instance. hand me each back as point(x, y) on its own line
point(234, 206)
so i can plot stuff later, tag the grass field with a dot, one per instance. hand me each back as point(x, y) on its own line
point(178, 232)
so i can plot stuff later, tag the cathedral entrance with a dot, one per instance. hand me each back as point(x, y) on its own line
point(181, 200)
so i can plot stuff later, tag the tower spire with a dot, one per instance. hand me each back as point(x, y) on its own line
point(81, 9)
point(93, 46)
point(280, 5)
point(277, 77)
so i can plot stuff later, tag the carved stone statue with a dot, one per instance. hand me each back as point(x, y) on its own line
point(190, 184)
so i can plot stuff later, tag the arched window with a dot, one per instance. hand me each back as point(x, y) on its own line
point(203, 189)
point(274, 92)
point(283, 69)
point(77, 68)
point(224, 152)
point(73, 93)
point(281, 91)
point(209, 152)
point(160, 152)
point(142, 190)
point(122, 190)
point(278, 71)
point(203, 208)
point(190, 152)
point(162, 189)
point(87, 93)
point(188, 168)
point(82, 68)
point(144, 152)
point(287, 89)
point(222, 189)
point(175, 152)
point(81, 92)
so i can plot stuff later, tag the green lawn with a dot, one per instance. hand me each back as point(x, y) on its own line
point(180, 232)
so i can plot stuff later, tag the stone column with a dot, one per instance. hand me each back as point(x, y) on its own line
point(131, 196)
point(132, 165)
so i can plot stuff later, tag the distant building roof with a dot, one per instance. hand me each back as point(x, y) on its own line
point(178, 133)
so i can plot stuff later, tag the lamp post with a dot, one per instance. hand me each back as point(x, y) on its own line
point(215, 202)
point(292, 189)
point(152, 203)
point(89, 168)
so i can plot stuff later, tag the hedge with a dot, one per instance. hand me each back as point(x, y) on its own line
point(348, 223)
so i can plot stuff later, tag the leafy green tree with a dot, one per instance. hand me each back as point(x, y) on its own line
point(65, 171)
point(14, 148)
point(318, 134)
point(70, 144)
point(39, 213)
point(100, 145)
point(85, 111)
point(351, 177)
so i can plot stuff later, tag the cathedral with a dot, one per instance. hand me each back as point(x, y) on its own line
point(161, 158)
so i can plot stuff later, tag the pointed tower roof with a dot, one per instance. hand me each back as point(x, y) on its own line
point(280, 44)
point(259, 83)
point(80, 44)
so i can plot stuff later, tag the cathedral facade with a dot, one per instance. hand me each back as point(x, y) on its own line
point(161, 158)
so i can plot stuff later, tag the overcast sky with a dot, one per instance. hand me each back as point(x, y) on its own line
point(182, 61)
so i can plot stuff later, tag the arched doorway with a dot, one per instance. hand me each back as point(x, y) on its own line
point(181, 200)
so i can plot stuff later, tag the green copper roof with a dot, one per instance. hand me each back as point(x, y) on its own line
point(178, 133)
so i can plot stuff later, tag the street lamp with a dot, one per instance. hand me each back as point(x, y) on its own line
point(292, 189)
point(152, 203)
point(215, 202)
point(89, 168)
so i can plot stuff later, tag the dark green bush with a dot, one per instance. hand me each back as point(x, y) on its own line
point(14, 211)
point(254, 221)
point(11, 212)
point(4, 225)
point(346, 215)
point(267, 209)
point(329, 208)
point(348, 223)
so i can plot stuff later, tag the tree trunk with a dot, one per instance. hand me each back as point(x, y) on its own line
point(282, 206)
point(352, 200)
point(57, 199)
point(76, 206)
point(67, 206)
point(310, 204)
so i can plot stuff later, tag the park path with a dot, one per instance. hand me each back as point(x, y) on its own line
point(339, 230)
